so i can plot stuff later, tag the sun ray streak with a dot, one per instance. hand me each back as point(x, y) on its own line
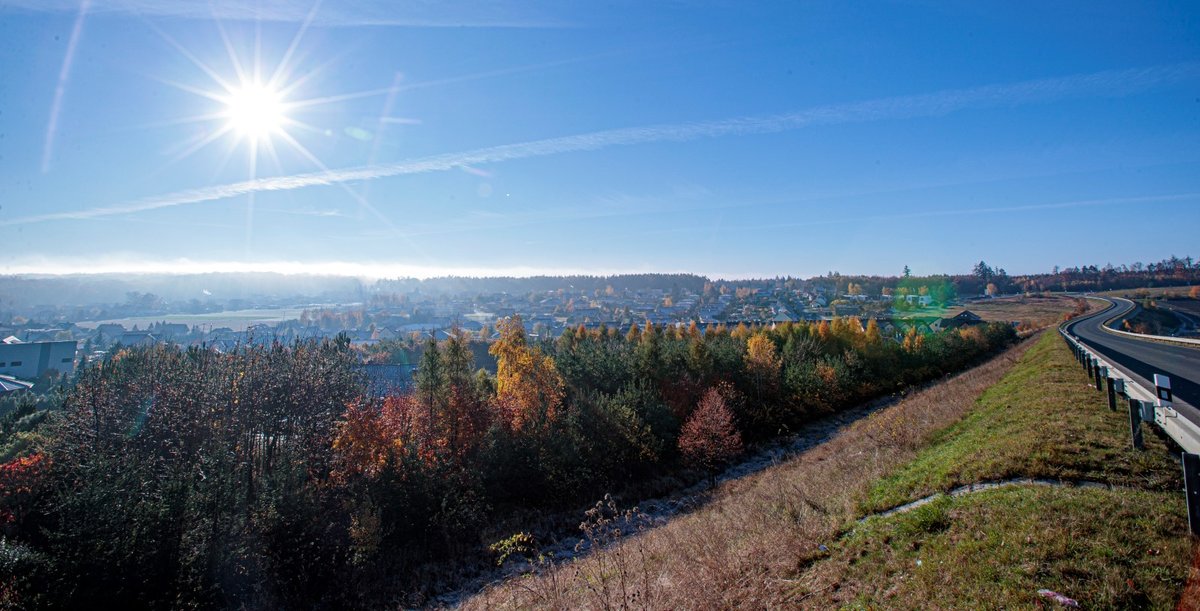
point(309, 74)
point(282, 71)
point(212, 95)
point(250, 197)
point(388, 103)
point(225, 157)
point(224, 84)
point(339, 98)
point(60, 89)
point(273, 155)
point(199, 144)
point(312, 129)
point(362, 201)
point(1104, 85)
point(233, 56)
point(204, 118)
point(258, 50)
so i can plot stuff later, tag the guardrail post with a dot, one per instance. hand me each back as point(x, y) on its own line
point(1101, 374)
point(1112, 394)
point(1135, 423)
point(1191, 488)
point(1090, 366)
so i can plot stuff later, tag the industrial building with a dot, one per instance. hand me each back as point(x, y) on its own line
point(30, 360)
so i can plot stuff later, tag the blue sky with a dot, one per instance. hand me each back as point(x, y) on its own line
point(491, 137)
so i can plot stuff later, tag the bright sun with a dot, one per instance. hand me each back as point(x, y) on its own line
point(255, 111)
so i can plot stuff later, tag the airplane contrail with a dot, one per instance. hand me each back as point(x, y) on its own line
point(1109, 83)
point(64, 73)
point(365, 12)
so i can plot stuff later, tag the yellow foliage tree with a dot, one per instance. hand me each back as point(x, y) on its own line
point(761, 356)
point(873, 336)
point(741, 331)
point(528, 386)
point(913, 341)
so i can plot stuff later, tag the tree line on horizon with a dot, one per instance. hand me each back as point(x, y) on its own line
point(22, 295)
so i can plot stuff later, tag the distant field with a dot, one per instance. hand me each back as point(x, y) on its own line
point(1037, 311)
point(1156, 293)
point(238, 320)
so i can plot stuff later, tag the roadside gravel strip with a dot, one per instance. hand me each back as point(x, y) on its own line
point(982, 486)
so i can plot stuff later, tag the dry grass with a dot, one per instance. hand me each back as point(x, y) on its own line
point(1164, 292)
point(1191, 593)
point(1034, 312)
point(748, 546)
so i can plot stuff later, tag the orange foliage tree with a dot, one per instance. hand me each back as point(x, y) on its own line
point(20, 480)
point(709, 438)
point(371, 435)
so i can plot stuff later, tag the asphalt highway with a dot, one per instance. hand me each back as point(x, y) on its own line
point(1141, 359)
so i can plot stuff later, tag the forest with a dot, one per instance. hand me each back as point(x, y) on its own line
point(267, 478)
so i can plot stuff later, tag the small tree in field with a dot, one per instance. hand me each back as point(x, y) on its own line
point(709, 438)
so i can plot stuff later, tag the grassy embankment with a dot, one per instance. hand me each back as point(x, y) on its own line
point(792, 535)
point(1119, 547)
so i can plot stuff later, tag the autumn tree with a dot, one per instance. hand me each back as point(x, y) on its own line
point(762, 364)
point(871, 333)
point(913, 340)
point(708, 438)
point(528, 386)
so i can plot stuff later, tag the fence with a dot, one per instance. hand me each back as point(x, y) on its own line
point(1146, 405)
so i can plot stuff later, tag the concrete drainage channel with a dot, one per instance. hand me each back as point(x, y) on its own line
point(980, 487)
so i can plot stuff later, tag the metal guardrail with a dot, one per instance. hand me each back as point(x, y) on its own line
point(1162, 338)
point(1146, 405)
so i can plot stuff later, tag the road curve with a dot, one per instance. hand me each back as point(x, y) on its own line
point(1141, 358)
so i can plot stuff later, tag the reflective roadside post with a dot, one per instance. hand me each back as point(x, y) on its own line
point(1135, 423)
point(1112, 394)
point(1191, 488)
point(1162, 390)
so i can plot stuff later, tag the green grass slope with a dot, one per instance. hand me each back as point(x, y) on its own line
point(1043, 420)
point(1108, 548)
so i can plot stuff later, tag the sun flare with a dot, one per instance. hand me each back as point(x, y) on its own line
point(255, 111)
